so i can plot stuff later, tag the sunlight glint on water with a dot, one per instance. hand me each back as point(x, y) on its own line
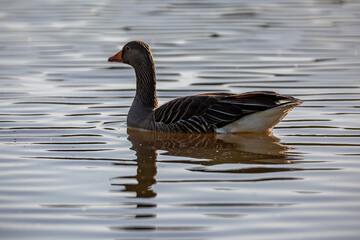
point(69, 167)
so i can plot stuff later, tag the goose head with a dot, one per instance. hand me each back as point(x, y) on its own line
point(135, 54)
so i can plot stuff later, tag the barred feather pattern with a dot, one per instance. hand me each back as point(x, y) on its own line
point(207, 112)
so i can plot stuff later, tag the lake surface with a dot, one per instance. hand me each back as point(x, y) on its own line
point(70, 168)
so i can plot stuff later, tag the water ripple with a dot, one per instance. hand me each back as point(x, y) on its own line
point(69, 166)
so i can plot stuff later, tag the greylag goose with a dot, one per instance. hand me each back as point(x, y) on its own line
point(256, 111)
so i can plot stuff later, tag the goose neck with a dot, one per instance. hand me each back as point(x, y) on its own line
point(146, 85)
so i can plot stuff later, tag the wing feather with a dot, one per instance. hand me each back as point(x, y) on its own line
point(206, 112)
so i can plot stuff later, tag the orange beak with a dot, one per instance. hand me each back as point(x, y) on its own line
point(116, 57)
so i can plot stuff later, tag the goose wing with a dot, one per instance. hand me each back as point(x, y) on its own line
point(207, 112)
point(186, 107)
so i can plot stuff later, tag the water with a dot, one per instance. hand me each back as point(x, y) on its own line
point(71, 169)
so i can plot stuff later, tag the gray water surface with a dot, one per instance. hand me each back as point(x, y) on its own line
point(70, 168)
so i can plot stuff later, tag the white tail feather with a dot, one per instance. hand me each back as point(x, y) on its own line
point(259, 122)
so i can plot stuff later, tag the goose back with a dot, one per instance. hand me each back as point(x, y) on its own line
point(205, 113)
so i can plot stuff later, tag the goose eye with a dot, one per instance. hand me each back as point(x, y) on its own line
point(127, 48)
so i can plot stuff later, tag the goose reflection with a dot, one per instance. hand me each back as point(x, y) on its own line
point(202, 150)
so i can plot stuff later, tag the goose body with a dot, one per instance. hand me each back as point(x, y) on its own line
point(256, 111)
